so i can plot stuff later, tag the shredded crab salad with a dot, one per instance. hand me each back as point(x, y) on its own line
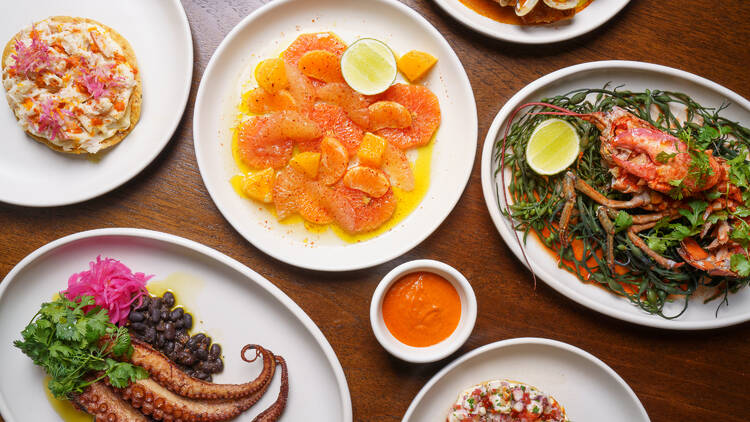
point(70, 83)
point(505, 401)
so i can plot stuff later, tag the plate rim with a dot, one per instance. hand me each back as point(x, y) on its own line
point(500, 222)
point(448, 8)
point(138, 168)
point(249, 274)
point(393, 252)
point(533, 341)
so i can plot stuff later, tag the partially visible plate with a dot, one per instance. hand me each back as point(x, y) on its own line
point(593, 16)
point(589, 390)
point(634, 76)
point(31, 174)
point(230, 302)
point(268, 31)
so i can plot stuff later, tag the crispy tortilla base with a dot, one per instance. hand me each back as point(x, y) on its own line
point(135, 98)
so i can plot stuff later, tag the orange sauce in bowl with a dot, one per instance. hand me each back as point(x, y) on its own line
point(421, 309)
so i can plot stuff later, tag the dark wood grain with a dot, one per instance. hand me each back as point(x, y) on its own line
point(678, 376)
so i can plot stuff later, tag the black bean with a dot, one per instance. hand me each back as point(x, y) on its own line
point(200, 375)
point(160, 326)
point(178, 323)
point(201, 353)
point(204, 366)
point(205, 342)
point(144, 304)
point(219, 364)
point(182, 336)
point(138, 327)
point(176, 314)
point(199, 337)
point(187, 321)
point(173, 355)
point(209, 378)
point(168, 299)
point(187, 358)
point(214, 352)
point(160, 339)
point(136, 316)
point(149, 335)
point(164, 314)
point(168, 347)
point(155, 315)
point(169, 331)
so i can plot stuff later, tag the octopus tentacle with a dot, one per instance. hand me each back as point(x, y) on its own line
point(161, 404)
point(101, 402)
point(274, 411)
point(168, 374)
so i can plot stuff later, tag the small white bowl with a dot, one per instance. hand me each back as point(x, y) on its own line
point(436, 351)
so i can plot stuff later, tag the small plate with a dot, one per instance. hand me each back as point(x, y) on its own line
point(593, 16)
point(31, 174)
point(589, 390)
point(266, 33)
point(213, 285)
point(635, 76)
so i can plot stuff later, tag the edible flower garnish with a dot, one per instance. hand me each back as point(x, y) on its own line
point(99, 80)
point(112, 286)
point(31, 58)
point(72, 344)
point(50, 120)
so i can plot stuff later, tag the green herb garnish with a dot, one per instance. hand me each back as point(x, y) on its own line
point(73, 346)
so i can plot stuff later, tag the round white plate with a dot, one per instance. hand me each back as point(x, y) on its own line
point(635, 76)
point(232, 303)
point(588, 388)
point(268, 31)
point(31, 174)
point(590, 18)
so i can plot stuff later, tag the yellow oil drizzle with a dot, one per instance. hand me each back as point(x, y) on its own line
point(406, 202)
point(64, 408)
point(185, 288)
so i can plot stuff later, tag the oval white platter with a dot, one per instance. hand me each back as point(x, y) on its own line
point(268, 31)
point(230, 302)
point(31, 174)
point(635, 76)
point(589, 390)
point(593, 16)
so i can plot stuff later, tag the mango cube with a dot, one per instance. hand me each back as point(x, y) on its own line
point(415, 64)
point(259, 185)
point(307, 162)
point(271, 75)
point(371, 149)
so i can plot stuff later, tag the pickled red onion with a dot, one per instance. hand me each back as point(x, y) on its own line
point(113, 286)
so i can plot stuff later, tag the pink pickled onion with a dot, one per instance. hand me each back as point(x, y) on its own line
point(50, 120)
point(31, 58)
point(99, 80)
point(112, 285)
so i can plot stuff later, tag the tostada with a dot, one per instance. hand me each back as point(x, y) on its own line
point(72, 83)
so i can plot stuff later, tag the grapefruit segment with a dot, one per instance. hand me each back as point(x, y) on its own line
point(396, 165)
point(261, 143)
point(336, 123)
point(425, 111)
point(326, 41)
point(367, 179)
point(355, 104)
point(355, 211)
point(333, 160)
point(295, 192)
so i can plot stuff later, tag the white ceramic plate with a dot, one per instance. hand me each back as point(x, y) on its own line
point(635, 76)
point(267, 32)
point(589, 389)
point(590, 18)
point(232, 303)
point(31, 174)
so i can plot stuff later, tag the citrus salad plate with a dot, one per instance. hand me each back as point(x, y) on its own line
point(335, 135)
point(627, 183)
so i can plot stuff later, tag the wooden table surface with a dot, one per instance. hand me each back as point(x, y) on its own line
point(678, 376)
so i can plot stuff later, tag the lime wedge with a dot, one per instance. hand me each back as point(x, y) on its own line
point(553, 147)
point(369, 66)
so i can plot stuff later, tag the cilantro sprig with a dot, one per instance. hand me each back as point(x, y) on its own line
point(72, 345)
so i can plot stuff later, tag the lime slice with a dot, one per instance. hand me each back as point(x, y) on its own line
point(553, 147)
point(369, 66)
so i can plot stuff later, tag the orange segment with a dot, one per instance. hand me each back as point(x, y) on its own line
point(388, 114)
point(398, 168)
point(370, 152)
point(259, 185)
point(301, 89)
point(260, 101)
point(333, 160)
point(327, 41)
point(354, 103)
point(415, 64)
point(322, 65)
point(355, 211)
point(334, 121)
point(367, 179)
point(425, 110)
point(295, 192)
point(271, 75)
point(307, 162)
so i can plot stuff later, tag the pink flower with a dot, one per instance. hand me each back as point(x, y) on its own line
point(99, 80)
point(31, 58)
point(50, 120)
